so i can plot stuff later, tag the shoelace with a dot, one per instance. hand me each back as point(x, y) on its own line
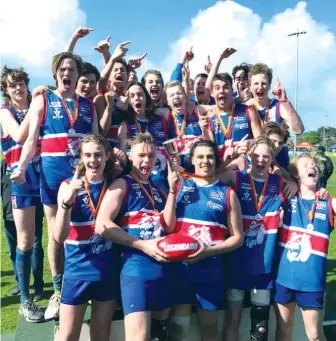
point(32, 306)
point(54, 300)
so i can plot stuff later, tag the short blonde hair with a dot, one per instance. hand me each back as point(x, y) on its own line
point(146, 138)
point(261, 68)
point(262, 140)
point(172, 84)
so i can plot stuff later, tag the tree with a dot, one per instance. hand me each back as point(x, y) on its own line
point(311, 136)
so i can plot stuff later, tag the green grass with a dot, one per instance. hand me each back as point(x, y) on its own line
point(10, 304)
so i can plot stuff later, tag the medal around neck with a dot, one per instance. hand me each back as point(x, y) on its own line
point(71, 131)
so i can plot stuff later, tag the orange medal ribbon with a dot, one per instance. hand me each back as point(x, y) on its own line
point(72, 119)
point(265, 120)
point(149, 196)
point(94, 209)
point(310, 214)
point(188, 176)
point(227, 131)
point(138, 126)
point(180, 133)
point(258, 203)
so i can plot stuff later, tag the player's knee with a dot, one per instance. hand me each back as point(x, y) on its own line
point(178, 327)
point(313, 334)
point(259, 322)
point(159, 330)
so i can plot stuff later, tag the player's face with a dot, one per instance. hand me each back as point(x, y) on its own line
point(308, 172)
point(153, 85)
point(132, 77)
point(204, 161)
point(16, 90)
point(261, 159)
point(143, 158)
point(259, 86)
point(200, 91)
point(137, 99)
point(67, 75)
point(277, 141)
point(94, 158)
point(240, 81)
point(222, 93)
point(176, 99)
point(86, 86)
point(119, 75)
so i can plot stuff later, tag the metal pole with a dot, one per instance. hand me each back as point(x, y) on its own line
point(297, 33)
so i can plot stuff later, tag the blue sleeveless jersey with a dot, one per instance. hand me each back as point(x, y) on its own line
point(158, 129)
point(303, 250)
point(201, 212)
point(257, 254)
point(88, 256)
point(59, 148)
point(241, 125)
point(137, 218)
point(192, 134)
point(12, 153)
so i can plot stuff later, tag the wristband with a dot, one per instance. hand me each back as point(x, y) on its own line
point(66, 206)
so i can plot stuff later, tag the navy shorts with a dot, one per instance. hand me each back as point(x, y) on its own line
point(49, 196)
point(77, 291)
point(21, 201)
point(249, 282)
point(206, 295)
point(304, 299)
point(140, 294)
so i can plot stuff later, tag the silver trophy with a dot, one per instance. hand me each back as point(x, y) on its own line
point(172, 150)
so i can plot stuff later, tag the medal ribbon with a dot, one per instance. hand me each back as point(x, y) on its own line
point(180, 133)
point(138, 126)
point(262, 122)
point(23, 114)
point(310, 214)
point(149, 196)
point(258, 203)
point(72, 119)
point(226, 130)
point(94, 210)
point(188, 176)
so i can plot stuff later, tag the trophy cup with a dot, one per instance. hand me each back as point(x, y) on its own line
point(172, 150)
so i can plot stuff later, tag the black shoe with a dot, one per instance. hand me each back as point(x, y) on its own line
point(15, 291)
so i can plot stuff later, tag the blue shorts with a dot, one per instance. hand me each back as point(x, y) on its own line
point(139, 294)
point(303, 299)
point(49, 196)
point(249, 282)
point(206, 295)
point(77, 291)
point(21, 201)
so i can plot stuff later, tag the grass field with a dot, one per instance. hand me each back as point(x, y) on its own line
point(10, 304)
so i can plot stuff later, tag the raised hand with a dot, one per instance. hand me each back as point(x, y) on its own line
point(279, 92)
point(76, 183)
point(203, 121)
point(120, 50)
point(247, 94)
point(242, 146)
point(208, 66)
point(135, 62)
point(188, 55)
point(39, 90)
point(81, 32)
point(122, 103)
point(173, 180)
point(227, 52)
point(103, 45)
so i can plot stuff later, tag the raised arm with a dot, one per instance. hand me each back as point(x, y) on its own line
point(254, 118)
point(177, 72)
point(228, 178)
point(81, 32)
point(29, 148)
point(122, 135)
point(18, 132)
point(103, 47)
point(169, 212)
point(228, 51)
point(287, 112)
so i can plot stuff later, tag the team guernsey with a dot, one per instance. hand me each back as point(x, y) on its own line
point(201, 212)
point(260, 202)
point(158, 129)
point(140, 219)
point(230, 126)
point(185, 130)
point(88, 256)
point(60, 139)
point(12, 154)
point(303, 244)
point(116, 120)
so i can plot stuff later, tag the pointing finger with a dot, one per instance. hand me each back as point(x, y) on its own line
point(76, 174)
point(90, 29)
point(244, 138)
point(125, 43)
point(278, 82)
point(108, 38)
point(209, 59)
point(143, 56)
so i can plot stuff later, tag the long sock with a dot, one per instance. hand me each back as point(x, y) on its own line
point(57, 283)
point(23, 269)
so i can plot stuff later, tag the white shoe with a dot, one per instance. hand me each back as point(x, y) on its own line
point(52, 312)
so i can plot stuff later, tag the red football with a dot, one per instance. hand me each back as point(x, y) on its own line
point(178, 246)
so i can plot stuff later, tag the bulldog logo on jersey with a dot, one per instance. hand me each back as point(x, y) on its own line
point(72, 152)
point(255, 235)
point(99, 244)
point(299, 247)
point(150, 227)
point(201, 233)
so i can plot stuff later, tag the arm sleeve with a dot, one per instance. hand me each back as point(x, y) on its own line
point(177, 73)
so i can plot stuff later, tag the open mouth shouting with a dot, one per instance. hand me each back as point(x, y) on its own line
point(177, 105)
point(93, 168)
point(155, 93)
point(144, 170)
point(221, 100)
point(67, 83)
point(313, 174)
point(260, 95)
